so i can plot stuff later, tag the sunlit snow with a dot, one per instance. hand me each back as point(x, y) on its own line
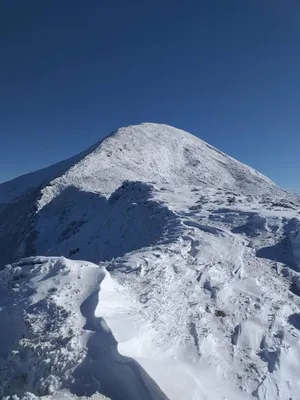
point(191, 285)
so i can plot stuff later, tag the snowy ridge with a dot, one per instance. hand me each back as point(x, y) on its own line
point(59, 337)
point(194, 289)
point(12, 190)
point(148, 153)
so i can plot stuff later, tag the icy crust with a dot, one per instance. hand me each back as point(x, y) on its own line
point(57, 343)
point(42, 337)
point(222, 301)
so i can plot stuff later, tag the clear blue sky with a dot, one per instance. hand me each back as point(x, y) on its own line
point(227, 71)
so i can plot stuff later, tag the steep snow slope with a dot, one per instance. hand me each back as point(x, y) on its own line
point(149, 153)
point(12, 190)
point(159, 154)
point(55, 337)
point(197, 279)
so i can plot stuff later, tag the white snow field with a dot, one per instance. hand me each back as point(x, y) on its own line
point(191, 285)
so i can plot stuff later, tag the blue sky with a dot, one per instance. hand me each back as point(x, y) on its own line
point(228, 71)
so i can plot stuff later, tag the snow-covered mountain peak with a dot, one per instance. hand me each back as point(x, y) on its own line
point(159, 154)
point(147, 152)
point(191, 284)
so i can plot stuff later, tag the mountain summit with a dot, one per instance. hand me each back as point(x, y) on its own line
point(149, 153)
point(190, 285)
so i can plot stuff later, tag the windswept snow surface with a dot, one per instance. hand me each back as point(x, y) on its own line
point(56, 336)
point(40, 210)
point(194, 287)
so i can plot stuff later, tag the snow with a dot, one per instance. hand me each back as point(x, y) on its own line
point(57, 335)
point(180, 159)
point(38, 297)
point(295, 239)
point(191, 288)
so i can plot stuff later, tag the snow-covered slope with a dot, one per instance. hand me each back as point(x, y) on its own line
point(44, 209)
point(194, 287)
point(159, 154)
point(55, 336)
point(147, 152)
